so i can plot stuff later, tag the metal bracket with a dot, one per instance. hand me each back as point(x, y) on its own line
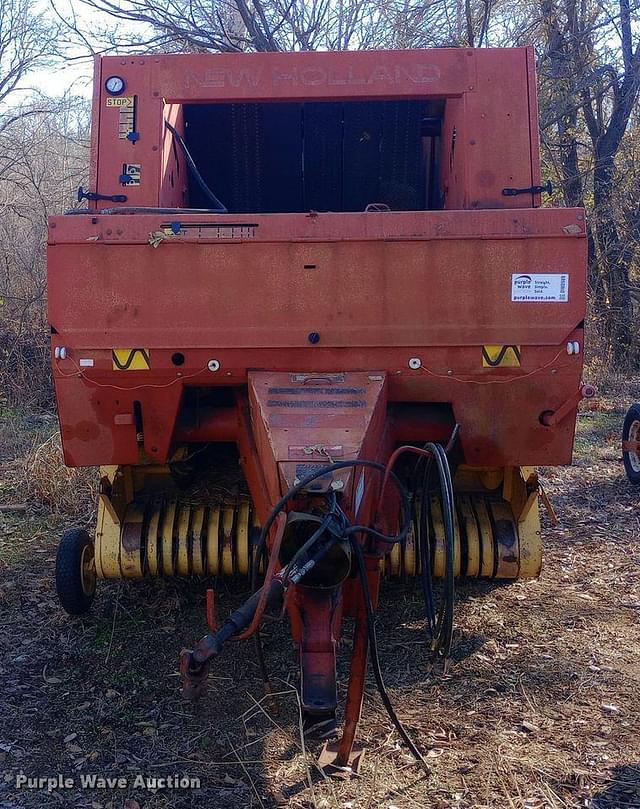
point(93, 196)
point(547, 188)
point(552, 417)
point(329, 762)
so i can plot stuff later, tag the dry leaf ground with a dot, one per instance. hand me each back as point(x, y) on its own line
point(538, 709)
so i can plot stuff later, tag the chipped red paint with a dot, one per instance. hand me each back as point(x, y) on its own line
point(325, 336)
point(385, 288)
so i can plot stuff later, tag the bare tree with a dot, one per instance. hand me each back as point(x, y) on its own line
point(41, 154)
point(286, 25)
point(27, 41)
point(242, 25)
point(44, 159)
point(590, 78)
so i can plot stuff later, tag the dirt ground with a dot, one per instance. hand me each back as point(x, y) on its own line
point(539, 707)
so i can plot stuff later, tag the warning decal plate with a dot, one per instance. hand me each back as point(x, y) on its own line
point(500, 356)
point(130, 359)
point(120, 101)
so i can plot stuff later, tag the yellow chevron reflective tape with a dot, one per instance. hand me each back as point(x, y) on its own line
point(494, 356)
point(130, 359)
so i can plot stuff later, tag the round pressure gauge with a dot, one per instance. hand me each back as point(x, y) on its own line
point(114, 85)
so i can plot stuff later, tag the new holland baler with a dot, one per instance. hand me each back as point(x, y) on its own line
point(313, 325)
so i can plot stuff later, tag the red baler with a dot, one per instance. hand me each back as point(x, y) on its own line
point(334, 269)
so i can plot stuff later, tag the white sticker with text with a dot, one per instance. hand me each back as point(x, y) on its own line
point(540, 287)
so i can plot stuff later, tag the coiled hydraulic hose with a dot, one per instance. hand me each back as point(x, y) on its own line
point(440, 620)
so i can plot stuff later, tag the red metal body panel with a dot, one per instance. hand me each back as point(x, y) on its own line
point(489, 111)
point(408, 279)
point(373, 290)
point(305, 336)
point(379, 289)
point(339, 410)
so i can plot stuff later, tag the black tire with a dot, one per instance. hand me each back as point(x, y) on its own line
point(631, 432)
point(75, 590)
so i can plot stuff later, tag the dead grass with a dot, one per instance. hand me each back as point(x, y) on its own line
point(538, 709)
point(25, 367)
point(61, 490)
point(32, 471)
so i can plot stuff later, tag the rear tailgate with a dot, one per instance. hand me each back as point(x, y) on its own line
point(374, 279)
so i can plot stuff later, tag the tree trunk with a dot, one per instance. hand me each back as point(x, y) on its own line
point(614, 256)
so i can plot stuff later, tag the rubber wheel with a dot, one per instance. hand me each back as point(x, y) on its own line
point(631, 432)
point(75, 571)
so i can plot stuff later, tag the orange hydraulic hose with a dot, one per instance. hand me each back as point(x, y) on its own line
point(425, 453)
point(281, 522)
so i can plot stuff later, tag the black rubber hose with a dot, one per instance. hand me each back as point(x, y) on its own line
point(324, 470)
point(375, 660)
point(424, 549)
point(444, 628)
point(264, 533)
point(322, 527)
point(218, 206)
point(440, 625)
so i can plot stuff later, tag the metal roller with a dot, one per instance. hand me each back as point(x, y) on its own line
point(131, 550)
point(185, 542)
point(153, 554)
point(395, 561)
point(242, 540)
point(469, 536)
point(212, 546)
point(227, 539)
point(410, 556)
point(490, 542)
point(173, 538)
point(487, 546)
point(197, 550)
point(166, 539)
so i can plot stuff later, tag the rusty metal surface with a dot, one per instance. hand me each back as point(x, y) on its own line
point(269, 303)
point(499, 409)
point(316, 610)
point(299, 424)
point(223, 229)
point(489, 94)
point(282, 283)
point(317, 292)
point(329, 760)
point(630, 446)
